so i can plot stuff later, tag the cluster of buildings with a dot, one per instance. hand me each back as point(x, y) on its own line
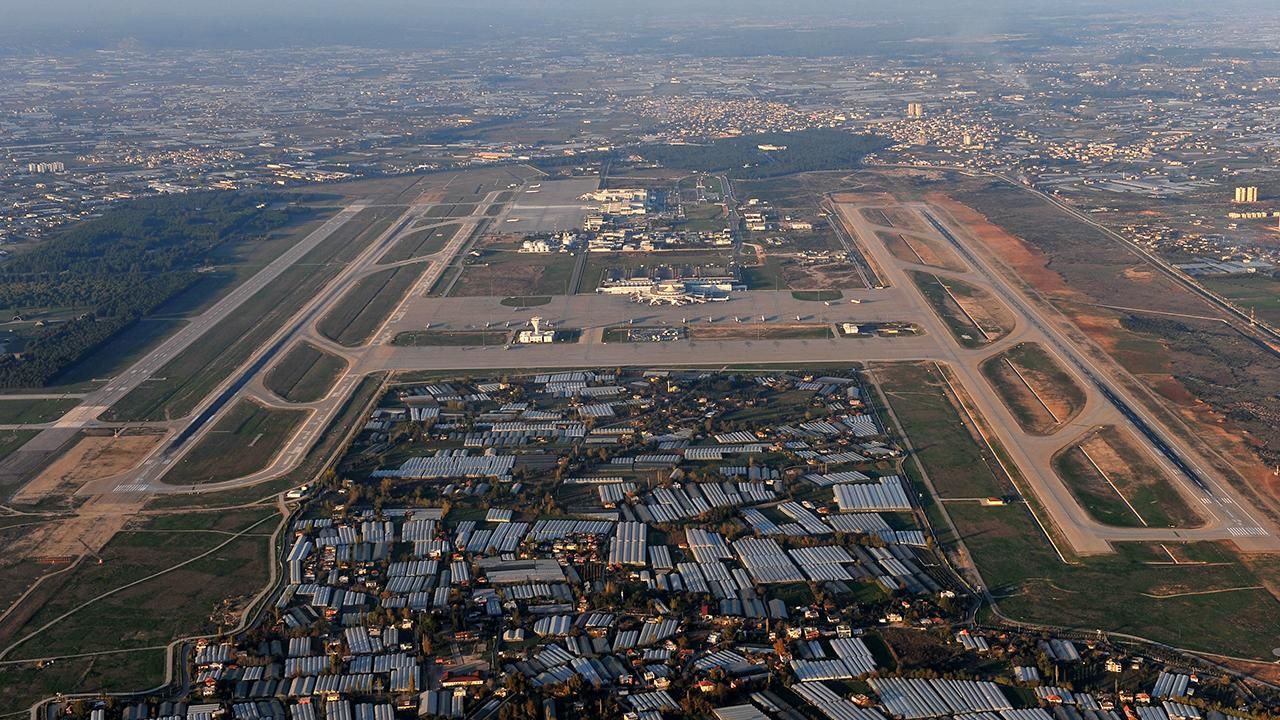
point(644, 545)
point(694, 115)
point(43, 168)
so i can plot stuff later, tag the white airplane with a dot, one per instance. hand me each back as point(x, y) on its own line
point(652, 300)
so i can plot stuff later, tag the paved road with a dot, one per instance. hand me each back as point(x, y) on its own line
point(900, 301)
point(1227, 518)
point(247, 380)
point(92, 404)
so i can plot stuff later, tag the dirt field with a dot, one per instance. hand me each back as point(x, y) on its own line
point(819, 275)
point(1225, 387)
point(1041, 395)
point(1031, 265)
point(920, 250)
point(1121, 486)
point(903, 219)
point(874, 197)
point(510, 273)
point(93, 458)
point(876, 216)
point(499, 279)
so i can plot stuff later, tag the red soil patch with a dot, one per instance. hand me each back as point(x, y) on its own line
point(1029, 263)
point(1174, 391)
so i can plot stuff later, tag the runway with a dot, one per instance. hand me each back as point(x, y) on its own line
point(898, 301)
point(1106, 404)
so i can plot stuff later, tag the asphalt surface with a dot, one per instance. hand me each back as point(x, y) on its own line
point(1106, 404)
point(92, 404)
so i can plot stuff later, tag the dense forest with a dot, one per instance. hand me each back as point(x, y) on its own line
point(110, 271)
point(806, 150)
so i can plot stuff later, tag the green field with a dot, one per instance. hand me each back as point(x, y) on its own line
point(957, 466)
point(1130, 476)
point(22, 685)
point(768, 276)
point(1231, 614)
point(180, 385)
point(366, 306)
point(14, 412)
point(156, 610)
point(420, 244)
point(312, 466)
point(1212, 603)
point(243, 442)
point(1259, 293)
point(305, 374)
point(11, 440)
point(443, 338)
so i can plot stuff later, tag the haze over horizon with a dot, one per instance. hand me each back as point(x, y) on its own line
point(85, 24)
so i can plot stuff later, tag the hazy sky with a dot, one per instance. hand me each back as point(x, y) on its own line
point(285, 22)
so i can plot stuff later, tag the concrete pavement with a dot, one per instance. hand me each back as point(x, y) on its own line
point(900, 301)
point(1226, 517)
point(92, 404)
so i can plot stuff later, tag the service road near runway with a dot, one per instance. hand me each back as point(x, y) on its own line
point(899, 301)
point(1106, 404)
point(94, 403)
